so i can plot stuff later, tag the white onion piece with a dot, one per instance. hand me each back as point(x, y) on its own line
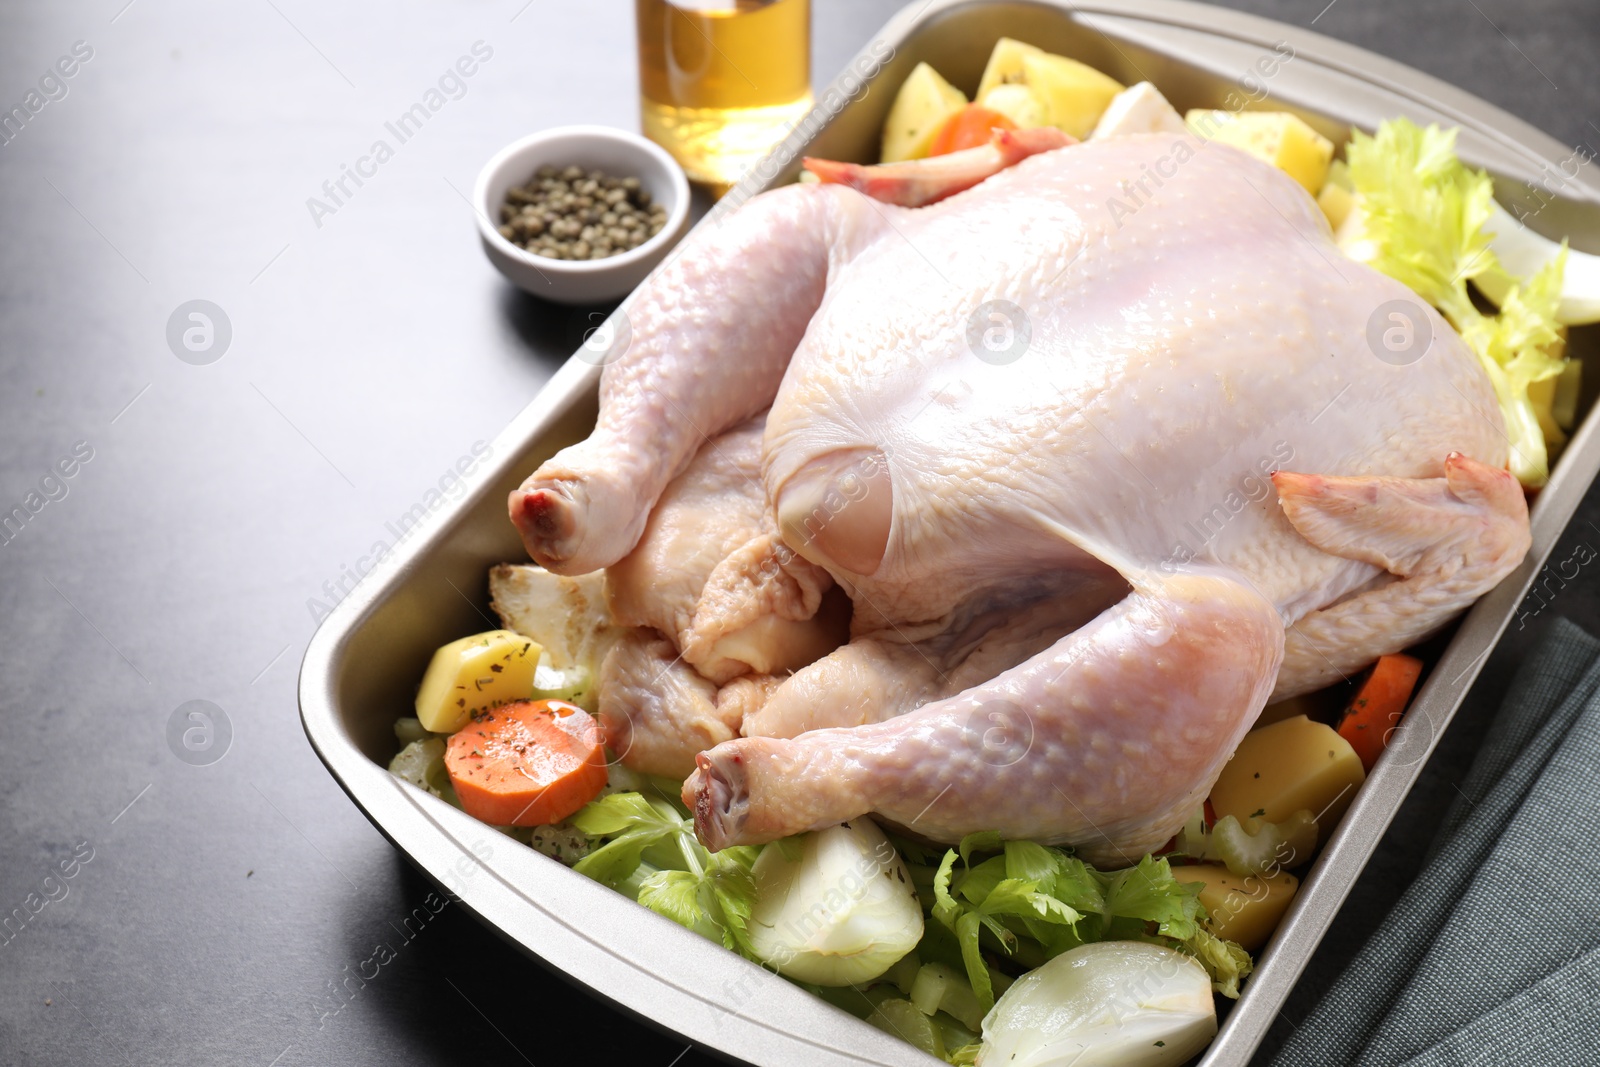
point(1121, 1003)
point(1522, 253)
point(844, 912)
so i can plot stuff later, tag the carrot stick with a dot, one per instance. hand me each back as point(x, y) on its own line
point(1378, 705)
point(527, 763)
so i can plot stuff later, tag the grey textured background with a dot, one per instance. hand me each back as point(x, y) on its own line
point(221, 909)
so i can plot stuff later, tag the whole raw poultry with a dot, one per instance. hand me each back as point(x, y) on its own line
point(1073, 587)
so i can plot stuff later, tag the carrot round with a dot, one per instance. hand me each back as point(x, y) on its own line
point(527, 763)
point(1378, 706)
point(968, 128)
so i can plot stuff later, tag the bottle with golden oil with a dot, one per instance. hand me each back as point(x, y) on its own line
point(722, 81)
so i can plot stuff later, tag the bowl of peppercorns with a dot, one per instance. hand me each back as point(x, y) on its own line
point(580, 214)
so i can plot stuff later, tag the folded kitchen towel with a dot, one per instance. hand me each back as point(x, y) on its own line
point(1492, 956)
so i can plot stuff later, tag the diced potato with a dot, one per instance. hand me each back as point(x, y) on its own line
point(1075, 94)
point(922, 105)
point(1246, 909)
point(1280, 769)
point(1005, 64)
point(474, 674)
point(1138, 109)
point(1276, 137)
point(1335, 202)
point(567, 616)
point(1018, 103)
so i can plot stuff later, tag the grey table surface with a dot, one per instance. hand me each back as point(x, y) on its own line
point(225, 908)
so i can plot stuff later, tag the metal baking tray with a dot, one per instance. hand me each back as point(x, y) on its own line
point(362, 667)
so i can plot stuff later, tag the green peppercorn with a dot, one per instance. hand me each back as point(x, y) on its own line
point(570, 213)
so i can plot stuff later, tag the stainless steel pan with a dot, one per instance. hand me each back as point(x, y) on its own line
point(362, 668)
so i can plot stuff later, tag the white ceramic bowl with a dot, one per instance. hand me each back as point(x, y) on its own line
point(618, 152)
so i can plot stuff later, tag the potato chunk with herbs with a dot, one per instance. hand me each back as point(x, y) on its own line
point(1075, 95)
point(474, 674)
point(1286, 767)
point(1246, 909)
point(1275, 137)
point(921, 107)
point(1005, 64)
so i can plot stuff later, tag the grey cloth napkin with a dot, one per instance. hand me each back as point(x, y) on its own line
point(1492, 956)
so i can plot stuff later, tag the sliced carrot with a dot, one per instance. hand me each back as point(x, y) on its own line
point(527, 763)
point(968, 128)
point(1378, 705)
